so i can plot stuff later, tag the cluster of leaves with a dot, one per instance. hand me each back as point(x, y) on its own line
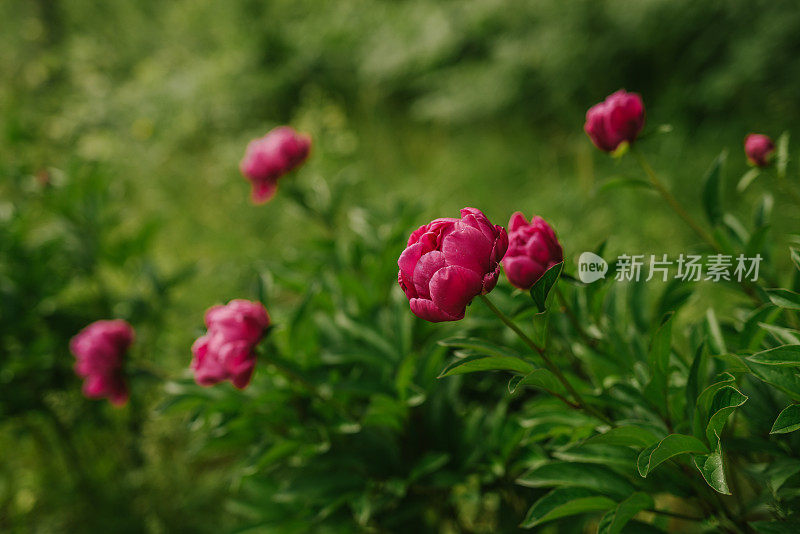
point(67, 257)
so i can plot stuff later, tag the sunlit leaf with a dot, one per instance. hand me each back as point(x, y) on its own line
point(788, 420)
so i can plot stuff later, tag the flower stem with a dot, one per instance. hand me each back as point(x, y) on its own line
point(672, 201)
point(548, 363)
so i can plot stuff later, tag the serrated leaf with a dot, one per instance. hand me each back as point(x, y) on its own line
point(710, 466)
point(615, 520)
point(785, 355)
point(787, 421)
point(629, 436)
point(538, 378)
point(483, 362)
point(569, 474)
point(565, 502)
point(670, 446)
point(784, 298)
point(712, 190)
point(544, 284)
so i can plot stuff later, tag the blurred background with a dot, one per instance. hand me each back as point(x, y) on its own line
point(122, 125)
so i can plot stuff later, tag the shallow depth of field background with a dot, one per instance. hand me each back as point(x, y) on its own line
point(444, 104)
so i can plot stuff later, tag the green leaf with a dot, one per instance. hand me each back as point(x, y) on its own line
point(594, 453)
point(782, 154)
point(726, 400)
point(785, 355)
point(788, 420)
point(712, 190)
point(791, 526)
point(538, 378)
point(544, 284)
point(697, 376)
point(614, 521)
point(716, 343)
point(622, 182)
point(703, 406)
point(565, 502)
point(784, 298)
point(629, 436)
point(710, 466)
point(747, 179)
point(571, 474)
point(670, 446)
point(658, 358)
point(482, 362)
point(478, 345)
point(795, 254)
point(784, 378)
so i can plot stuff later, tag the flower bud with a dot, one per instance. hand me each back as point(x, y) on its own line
point(270, 157)
point(227, 351)
point(620, 117)
point(759, 149)
point(448, 262)
point(99, 351)
point(532, 249)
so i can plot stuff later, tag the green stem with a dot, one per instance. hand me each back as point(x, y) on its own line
point(548, 363)
point(659, 186)
point(672, 201)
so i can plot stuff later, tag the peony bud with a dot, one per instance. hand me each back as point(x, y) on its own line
point(532, 249)
point(227, 351)
point(270, 157)
point(448, 262)
point(99, 351)
point(620, 117)
point(758, 148)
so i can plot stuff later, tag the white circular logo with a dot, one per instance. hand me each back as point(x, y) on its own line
point(591, 267)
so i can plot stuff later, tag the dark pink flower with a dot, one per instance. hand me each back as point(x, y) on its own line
point(448, 262)
point(620, 117)
point(227, 351)
point(268, 158)
point(99, 351)
point(532, 249)
point(759, 149)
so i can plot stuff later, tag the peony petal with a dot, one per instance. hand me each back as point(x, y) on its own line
point(468, 248)
point(427, 310)
point(453, 287)
point(427, 265)
point(264, 190)
point(521, 271)
point(490, 280)
point(517, 220)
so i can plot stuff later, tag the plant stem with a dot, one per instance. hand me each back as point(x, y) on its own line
point(746, 286)
point(548, 363)
point(672, 201)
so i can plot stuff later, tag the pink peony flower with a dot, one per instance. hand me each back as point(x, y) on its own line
point(532, 249)
point(620, 117)
point(99, 351)
point(448, 262)
point(758, 148)
point(227, 351)
point(268, 158)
